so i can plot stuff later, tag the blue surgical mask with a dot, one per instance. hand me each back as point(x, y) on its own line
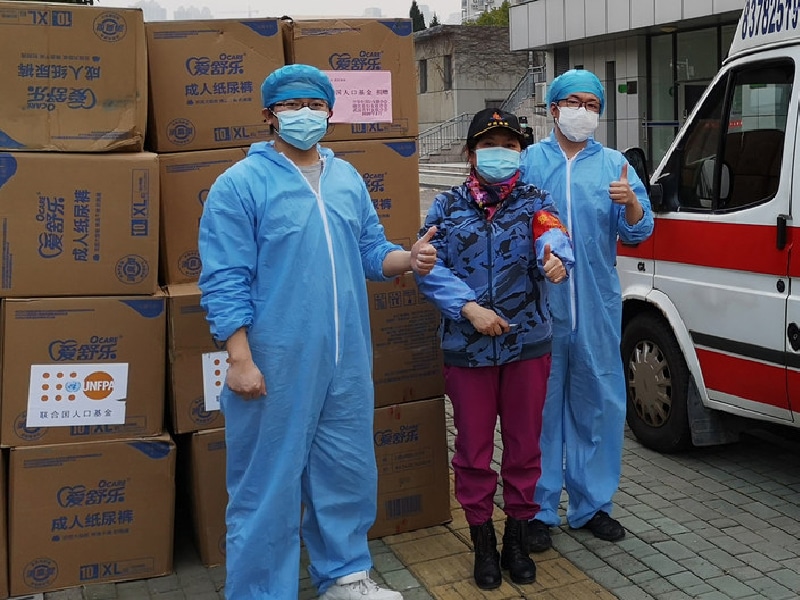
point(496, 164)
point(302, 128)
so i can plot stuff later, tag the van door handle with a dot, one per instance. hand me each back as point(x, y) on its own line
point(782, 223)
point(793, 331)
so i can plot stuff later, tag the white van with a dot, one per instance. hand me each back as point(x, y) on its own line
point(711, 319)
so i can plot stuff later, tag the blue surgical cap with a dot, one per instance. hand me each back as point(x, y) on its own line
point(296, 81)
point(576, 81)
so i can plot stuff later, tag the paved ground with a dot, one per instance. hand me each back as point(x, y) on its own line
point(720, 523)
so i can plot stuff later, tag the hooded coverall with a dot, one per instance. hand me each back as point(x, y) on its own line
point(289, 265)
point(584, 412)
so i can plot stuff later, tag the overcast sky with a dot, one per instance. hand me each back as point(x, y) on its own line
point(300, 8)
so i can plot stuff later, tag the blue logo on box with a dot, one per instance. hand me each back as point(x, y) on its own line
point(29, 434)
point(189, 263)
point(40, 572)
point(199, 414)
point(110, 27)
point(132, 269)
point(180, 131)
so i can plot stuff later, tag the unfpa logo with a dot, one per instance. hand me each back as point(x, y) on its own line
point(61, 386)
point(98, 385)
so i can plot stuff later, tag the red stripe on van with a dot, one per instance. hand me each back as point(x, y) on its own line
point(765, 384)
point(735, 246)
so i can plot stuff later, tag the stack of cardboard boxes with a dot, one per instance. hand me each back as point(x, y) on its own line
point(90, 475)
point(91, 224)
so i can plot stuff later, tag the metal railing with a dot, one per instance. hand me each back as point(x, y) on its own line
point(524, 89)
point(444, 135)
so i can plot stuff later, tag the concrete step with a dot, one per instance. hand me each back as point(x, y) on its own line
point(442, 175)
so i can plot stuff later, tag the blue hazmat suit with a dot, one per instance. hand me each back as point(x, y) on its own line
point(584, 412)
point(290, 265)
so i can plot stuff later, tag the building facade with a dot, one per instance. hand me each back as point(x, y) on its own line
point(472, 9)
point(462, 69)
point(655, 57)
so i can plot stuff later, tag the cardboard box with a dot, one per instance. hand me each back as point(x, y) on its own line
point(90, 513)
point(209, 495)
point(349, 46)
point(205, 81)
point(185, 178)
point(78, 224)
point(407, 356)
point(189, 337)
point(390, 168)
point(413, 475)
point(70, 336)
point(74, 78)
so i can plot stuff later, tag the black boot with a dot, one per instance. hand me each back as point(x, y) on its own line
point(539, 539)
point(515, 552)
point(487, 560)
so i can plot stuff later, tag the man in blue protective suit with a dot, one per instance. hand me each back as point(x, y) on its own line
point(600, 200)
point(287, 238)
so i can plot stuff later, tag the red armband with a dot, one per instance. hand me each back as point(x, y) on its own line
point(544, 221)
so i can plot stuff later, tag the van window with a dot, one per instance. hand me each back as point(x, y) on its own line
point(743, 119)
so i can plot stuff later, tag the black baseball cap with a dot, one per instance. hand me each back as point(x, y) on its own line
point(492, 118)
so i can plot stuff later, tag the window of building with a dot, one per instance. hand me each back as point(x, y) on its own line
point(743, 120)
point(493, 103)
point(447, 72)
point(611, 103)
point(561, 59)
point(423, 76)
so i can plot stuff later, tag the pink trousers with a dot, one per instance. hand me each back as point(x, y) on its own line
point(515, 392)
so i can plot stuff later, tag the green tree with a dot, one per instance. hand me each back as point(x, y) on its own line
point(435, 21)
point(417, 18)
point(497, 16)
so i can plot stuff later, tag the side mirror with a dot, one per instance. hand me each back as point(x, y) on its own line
point(637, 159)
point(725, 182)
point(656, 197)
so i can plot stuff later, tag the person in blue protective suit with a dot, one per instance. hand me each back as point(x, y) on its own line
point(499, 241)
point(287, 237)
point(601, 201)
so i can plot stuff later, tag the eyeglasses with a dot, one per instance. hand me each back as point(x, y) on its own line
point(590, 105)
point(298, 104)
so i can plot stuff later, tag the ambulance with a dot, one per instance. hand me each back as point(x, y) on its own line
point(711, 313)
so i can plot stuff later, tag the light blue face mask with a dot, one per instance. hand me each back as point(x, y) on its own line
point(302, 128)
point(496, 164)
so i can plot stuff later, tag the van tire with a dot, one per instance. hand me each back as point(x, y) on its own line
point(656, 381)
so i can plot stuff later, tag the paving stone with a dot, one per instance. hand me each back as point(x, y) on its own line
point(732, 587)
point(68, 594)
point(100, 591)
point(608, 577)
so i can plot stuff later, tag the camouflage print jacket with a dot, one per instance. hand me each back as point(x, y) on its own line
point(496, 263)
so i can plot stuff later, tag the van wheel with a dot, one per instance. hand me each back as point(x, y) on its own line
point(657, 380)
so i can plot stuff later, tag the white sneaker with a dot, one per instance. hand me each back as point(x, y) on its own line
point(359, 586)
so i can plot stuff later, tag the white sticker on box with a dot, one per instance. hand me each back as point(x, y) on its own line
point(361, 96)
point(63, 395)
point(215, 367)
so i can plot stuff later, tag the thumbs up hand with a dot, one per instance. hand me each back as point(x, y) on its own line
point(620, 191)
point(554, 269)
point(423, 254)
